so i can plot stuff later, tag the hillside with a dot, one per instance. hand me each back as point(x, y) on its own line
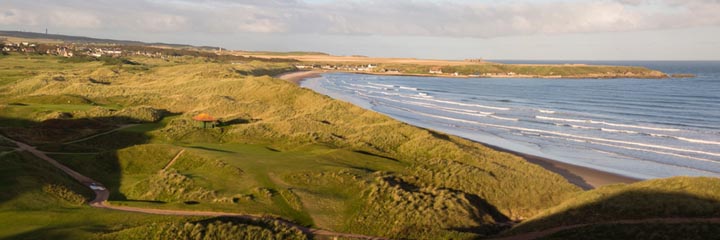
point(473, 68)
point(58, 38)
point(280, 150)
point(38, 201)
point(456, 68)
point(679, 208)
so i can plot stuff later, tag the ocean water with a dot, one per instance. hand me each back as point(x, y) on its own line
point(643, 128)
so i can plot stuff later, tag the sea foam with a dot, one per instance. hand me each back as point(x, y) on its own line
point(606, 123)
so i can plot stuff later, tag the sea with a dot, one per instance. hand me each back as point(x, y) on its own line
point(642, 128)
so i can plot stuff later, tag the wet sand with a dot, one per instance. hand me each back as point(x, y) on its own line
point(297, 77)
point(584, 177)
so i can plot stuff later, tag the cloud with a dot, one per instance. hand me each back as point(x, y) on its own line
point(353, 17)
point(10, 16)
point(71, 18)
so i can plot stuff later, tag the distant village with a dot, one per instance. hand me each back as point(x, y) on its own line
point(70, 50)
point(97, 51)
point(374, 68)
point(353, 68)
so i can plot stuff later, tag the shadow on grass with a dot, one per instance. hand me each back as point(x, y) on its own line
point(44, 233)
point(265, 71)
point(628, 205)
point(210, 149)
point(272, 149)
point(549, 165)
point(649, 231)
point(104, 168)
point(502, 221)
point(375, 155)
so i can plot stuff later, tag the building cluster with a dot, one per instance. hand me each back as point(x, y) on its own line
point(99, 52)
point(71, 50)
point(352, 68)
point(435, 70)
point(24, 47)
point(475, 60)
point(60, 51)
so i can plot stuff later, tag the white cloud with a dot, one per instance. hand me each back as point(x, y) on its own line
point(352, 17)
point(161, 22)
point(10, 16)
point(65, 17)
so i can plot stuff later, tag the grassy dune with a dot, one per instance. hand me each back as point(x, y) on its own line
point(285, 151)
point(678, 197)
point(655, 231)
point(281, 151)
point(486, 69)
point(38, 201)
point(566, 71)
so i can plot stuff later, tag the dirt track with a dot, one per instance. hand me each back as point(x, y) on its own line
point(101, 197)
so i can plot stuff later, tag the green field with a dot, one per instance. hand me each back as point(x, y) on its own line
point(39, 202)
point(278, 151)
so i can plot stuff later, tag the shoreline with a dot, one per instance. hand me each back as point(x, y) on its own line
point(583, 177)
point(298, 76)
point(297, 79)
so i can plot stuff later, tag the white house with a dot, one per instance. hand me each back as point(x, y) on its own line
point(436, 70)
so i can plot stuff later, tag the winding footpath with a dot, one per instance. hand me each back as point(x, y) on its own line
point(100, 134)
point(102, 195)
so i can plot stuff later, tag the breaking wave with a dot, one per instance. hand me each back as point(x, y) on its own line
point(607, 123)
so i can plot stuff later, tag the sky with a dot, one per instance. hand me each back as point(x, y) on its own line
point(441, 29)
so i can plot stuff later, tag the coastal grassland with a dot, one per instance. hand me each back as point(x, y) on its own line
point(293, 53)
point(280, 150)
point(219, 228)
point(14, 68)
point(647, 231)
point(37, 201)
point(488, 69)
point(678, 197)
point(567, 71)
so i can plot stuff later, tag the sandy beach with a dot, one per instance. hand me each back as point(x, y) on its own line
point(297, 77)
point(586, 178)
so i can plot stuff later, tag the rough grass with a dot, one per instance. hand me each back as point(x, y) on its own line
point(274, 130)
point(37, 201)
point(209, 229)
point(660, 198)
point(417, 212)
point(566, 71)
point(649, 231)
point(25, 178)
